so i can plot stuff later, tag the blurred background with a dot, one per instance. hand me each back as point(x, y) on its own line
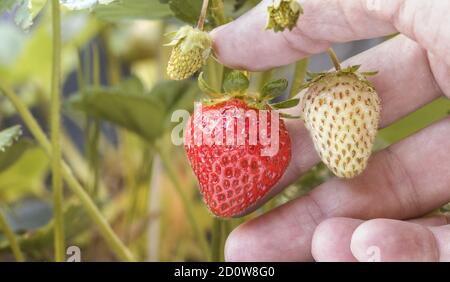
point(116, 134)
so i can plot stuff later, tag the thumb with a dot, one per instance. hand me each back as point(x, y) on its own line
point(245, 44)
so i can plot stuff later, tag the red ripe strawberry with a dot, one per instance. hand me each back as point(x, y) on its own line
point(233, 177)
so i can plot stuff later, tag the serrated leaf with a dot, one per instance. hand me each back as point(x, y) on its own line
point(236, 81)
point(286, 104)
point(83, 4)
point(352, 69)
point(13, 153)
point(133, 9)
point(9, 136)
point(274, 89)
point(24, 11)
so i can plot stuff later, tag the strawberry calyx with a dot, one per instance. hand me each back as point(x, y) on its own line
point(283, 14)
point(189, 38)
point(236, 86)
point(313, 78)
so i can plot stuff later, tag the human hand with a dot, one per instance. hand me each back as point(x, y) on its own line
point(341, 220)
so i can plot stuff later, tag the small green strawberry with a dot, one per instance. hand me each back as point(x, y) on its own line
point(341, 109)
point(192, 48)
point(283, 14)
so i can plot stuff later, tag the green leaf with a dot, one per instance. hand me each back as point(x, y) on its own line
point(130, 86)
point(186, 10)
point(175, 95)
point(352, 69)
point(274, 89)
point(132, 9)
point(146, 114)
point(139, 114)
point(236, 81)
point(168, 92)
point(10, 156)
point(25, 176)
point(9, 136)
point(286, 104)
point(13, 41)
point(32, 218)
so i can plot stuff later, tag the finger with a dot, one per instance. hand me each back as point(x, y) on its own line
point(332, 237)
point(407, 180)
point(398, 95)
point(433, 220)
point(246, 44)
point(393, 240)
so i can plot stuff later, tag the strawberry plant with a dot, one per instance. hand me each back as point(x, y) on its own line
point(101, 102)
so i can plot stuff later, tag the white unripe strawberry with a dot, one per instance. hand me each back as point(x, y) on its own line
point(341, 109)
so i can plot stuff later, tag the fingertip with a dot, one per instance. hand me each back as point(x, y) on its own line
point(332, 238)
point(392, 240)
point(232, 247)
point(279, 235)
point(245, 43)
point(240, 245)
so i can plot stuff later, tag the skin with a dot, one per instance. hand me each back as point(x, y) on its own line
point(385, 207)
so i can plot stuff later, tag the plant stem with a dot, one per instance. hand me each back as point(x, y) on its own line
point(202, 18)
point(215, 73)
point(154, 199)
point(217, 12)
point(259, 79)
point(334, 58)
point(216, 235)
point(184, 199)
point(299, 76)
point(11, 238)
point(105, 230)
point(55, 124)
point(93, 128)
point(113, 64)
